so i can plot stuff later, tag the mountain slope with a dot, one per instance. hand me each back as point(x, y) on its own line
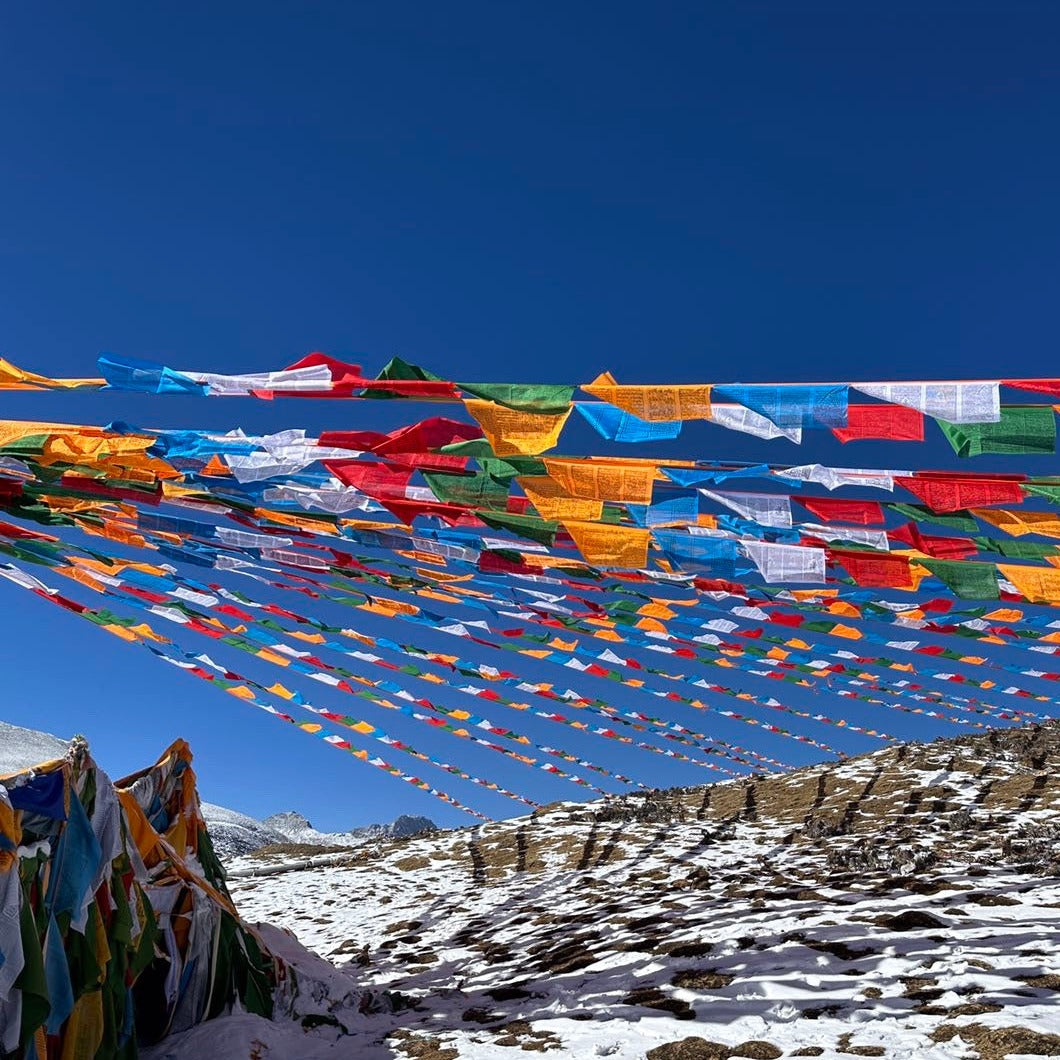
point(902, 904)
point(234, 833)
point(24, 748)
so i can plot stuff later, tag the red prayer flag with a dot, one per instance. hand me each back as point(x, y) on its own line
point(381, 481)
point(953, 494)
point(842, 510)
point(933, 545)
point(1038, 386)
point(875, 569)
point(896, 423)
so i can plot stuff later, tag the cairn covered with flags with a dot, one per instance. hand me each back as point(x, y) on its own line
point(116, 928)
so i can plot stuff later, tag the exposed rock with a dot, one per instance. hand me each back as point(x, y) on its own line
point(690, 1049)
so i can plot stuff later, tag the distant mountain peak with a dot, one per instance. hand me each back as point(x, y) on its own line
point(288, 821)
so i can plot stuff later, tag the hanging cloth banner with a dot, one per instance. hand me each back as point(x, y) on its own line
point(513, 432)
point(1021, 429)
point(604, 481)
point(673, 511)
point(793, 405)
point(610, 546)
point(970, 581)
point(786, 563)
point(541, 398)
point(895, 423)
point(1040, 585)
point(617, 425)
point(836, 510)
point(145, 377)
point(738, 418)
point(347, 381)
point(948, 548)
point(766, 509)
point(834, 477)
point(553, 502)
point(381, 481)
point(954, 494)
point(656, 404)
point(1019, 523)
point(876, 539)
point(400, 379)
point(14, 378)
point(955, 402)
point(875, 570)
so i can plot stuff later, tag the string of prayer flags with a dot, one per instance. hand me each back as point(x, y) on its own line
point(632, 576)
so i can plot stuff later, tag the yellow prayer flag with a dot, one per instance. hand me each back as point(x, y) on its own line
point(553, 502)
point(608, 545)
point(1037, 584)
point(630, 483)
point(656, 404)
point(1016, 524)
point(512, 432)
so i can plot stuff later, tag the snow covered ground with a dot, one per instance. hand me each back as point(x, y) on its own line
point(904, 905)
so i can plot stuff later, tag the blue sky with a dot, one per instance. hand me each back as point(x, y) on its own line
point(675, 192)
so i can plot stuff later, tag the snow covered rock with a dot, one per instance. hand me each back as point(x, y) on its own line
point(24, 748)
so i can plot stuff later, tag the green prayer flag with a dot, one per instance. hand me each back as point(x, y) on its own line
point(526, 397)
point(1021, 429)
point(528, 526)
point(1037, 489)
point(1023, 549)
point(476, 447)
point(398, 368)
point(920, 513)
point(475, 490)
point(967, 579)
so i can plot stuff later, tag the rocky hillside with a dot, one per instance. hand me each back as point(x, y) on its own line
point(905, 904)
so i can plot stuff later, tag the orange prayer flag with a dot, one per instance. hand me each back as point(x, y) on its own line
point(553, 502)
point(1038, 584)
point(607, 545)
point(604, 480)
point(656, 404)
point(215, 466)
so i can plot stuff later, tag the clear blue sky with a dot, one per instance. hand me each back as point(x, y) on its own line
point(673, 191)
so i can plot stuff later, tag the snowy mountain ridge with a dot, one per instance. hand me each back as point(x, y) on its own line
point(297, 829)
point(236, 834)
